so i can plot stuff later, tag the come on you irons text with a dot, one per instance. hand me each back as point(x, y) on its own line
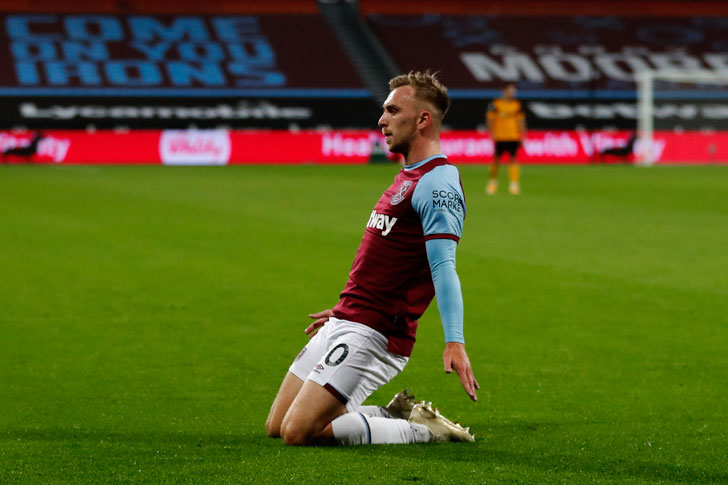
point(141, 51)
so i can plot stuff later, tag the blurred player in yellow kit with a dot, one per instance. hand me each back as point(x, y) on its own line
point(507, 126)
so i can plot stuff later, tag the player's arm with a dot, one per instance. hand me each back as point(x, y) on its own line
point(522, 128)
point(490, 118)
point(521, 124)
point(441, 256)
point(439, 201)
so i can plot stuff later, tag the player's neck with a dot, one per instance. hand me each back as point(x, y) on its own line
point(424, 149)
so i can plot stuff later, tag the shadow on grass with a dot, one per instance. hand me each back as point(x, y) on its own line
point(611, 468)
point(480, 454)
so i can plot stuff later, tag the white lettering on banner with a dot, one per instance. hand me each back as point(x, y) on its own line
point(470, 147)
point(676, 62)
point(717, 61)
point(54, 148)
point(548, 145)
point(658, 148)
point(512, 67)
point(551, 145)
point(567, 67)
point(336, 145)
point(194, 147)
point(508, 64)
point(598, 142)
point(715, 112)
point(595, 143)
point(382, 222)
point(561, 111)
point(619, 66)
point(243, 110)
point(605, 111)
point(48, 147)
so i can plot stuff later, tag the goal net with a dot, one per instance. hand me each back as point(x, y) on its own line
point(682, 117)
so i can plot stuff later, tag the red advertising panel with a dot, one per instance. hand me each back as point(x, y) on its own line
point(222, 147)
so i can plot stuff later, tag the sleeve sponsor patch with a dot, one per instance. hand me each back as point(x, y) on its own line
point(447, 200)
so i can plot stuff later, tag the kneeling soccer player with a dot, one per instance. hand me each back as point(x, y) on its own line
point(406, 257)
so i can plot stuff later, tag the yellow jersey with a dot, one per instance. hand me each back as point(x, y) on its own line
point(505, 117)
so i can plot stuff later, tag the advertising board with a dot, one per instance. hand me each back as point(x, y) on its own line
point(223, 147)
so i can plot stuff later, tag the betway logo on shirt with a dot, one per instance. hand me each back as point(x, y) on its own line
point(381, 221)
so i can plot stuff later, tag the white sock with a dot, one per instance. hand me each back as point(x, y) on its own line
point(358, 429)
point(375, 411)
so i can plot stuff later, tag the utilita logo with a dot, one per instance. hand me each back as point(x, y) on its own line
point(198, 147)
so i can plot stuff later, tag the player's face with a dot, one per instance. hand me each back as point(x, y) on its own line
point(399, 119)
point(509, 92)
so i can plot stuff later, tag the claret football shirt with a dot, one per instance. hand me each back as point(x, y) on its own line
point(390, 284)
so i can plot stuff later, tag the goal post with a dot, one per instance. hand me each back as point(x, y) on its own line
point(682, 117)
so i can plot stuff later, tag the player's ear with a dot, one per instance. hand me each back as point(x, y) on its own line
point(424, 119)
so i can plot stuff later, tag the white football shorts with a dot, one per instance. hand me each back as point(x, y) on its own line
point(348, 359)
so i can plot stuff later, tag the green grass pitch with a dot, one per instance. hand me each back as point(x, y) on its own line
point(148, 314)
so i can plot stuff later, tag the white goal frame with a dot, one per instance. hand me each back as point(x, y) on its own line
point(646, 102)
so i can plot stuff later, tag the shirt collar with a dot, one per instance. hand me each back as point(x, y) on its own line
point(422, 162)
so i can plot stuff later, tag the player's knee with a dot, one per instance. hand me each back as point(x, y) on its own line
point(294, 436)
point(272, 429)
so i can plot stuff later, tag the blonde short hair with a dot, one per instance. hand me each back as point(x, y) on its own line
point(427, 88)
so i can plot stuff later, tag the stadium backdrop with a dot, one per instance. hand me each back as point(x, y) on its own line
point(125, 79)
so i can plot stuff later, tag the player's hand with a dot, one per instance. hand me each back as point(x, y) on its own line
point(321, 318)
point(456, 358)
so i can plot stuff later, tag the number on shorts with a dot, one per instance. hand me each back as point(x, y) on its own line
point(344, 353)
